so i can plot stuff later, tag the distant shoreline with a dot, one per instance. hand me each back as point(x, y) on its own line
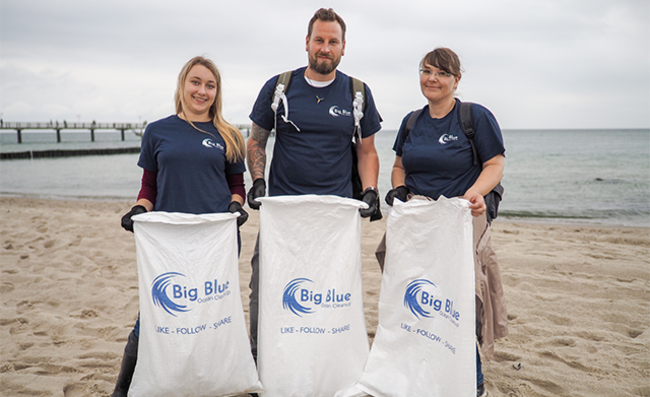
point(548, 222)
point(33, 154)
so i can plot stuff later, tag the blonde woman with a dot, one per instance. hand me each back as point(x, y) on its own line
point(193, 162)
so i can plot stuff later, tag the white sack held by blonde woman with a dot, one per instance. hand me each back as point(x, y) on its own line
point(193, 337)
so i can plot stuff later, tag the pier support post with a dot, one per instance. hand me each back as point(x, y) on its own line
point(19, 136)
point(92, 135)
point(58, 135)
point(122, 131)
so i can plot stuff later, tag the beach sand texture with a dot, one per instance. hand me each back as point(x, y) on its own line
point(578, 301)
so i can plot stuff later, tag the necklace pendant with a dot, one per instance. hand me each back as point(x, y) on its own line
point(318, 99)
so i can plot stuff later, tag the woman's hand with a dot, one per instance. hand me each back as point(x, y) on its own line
point(489, 177)
point(477, 202)
point(235, 206)
point(127, 222)
point(400, 193)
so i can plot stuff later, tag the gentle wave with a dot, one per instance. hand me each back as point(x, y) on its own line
point(623, 217)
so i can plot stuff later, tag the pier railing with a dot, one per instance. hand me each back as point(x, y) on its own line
point(137, 128)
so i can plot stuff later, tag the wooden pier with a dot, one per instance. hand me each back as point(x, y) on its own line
point(37, 154)
point(137, 128)
point(65, 126)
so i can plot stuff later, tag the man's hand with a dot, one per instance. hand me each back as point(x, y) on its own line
point(370, 196)
point(258, 190)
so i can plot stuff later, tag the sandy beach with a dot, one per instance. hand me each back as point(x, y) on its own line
point(578, 301)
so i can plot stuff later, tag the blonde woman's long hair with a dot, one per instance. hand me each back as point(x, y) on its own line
point(235, 146)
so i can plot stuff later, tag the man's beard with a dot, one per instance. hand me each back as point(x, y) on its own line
point(323, 67)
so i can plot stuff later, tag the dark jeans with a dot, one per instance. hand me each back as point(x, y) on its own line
point(479, 372)
point(253, 306)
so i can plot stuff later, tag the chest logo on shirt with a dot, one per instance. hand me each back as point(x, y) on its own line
point(336, 112)
point(446, 138)
point(209, 143)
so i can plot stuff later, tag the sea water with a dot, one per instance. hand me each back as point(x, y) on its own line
point(577, 176)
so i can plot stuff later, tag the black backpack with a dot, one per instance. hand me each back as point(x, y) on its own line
point(466, 121)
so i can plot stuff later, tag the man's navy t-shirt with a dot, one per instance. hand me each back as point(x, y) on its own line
point(317, 159)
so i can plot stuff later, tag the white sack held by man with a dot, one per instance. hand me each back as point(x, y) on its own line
point(312, 339)
point(425, 343)
point(193, 337)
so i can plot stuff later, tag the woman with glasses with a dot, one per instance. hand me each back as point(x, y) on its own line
point(436, 159)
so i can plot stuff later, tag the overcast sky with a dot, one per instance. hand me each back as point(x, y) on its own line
point(534, 63)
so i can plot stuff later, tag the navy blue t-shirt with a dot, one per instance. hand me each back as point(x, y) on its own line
point(437, 156)
point(317, 159)
point(191, 166)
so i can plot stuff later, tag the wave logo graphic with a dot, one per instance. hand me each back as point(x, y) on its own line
point(209, 143)
point(161, 298)
point(416, 298)
point(289, 300)
point(446, 138)
point(335, 111)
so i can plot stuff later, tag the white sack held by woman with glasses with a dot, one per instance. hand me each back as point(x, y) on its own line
point(436, 159)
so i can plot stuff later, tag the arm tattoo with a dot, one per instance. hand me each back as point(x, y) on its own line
point(256, 151)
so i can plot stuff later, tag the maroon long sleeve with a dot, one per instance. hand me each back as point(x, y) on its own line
point(149, 187)
point(236, 184)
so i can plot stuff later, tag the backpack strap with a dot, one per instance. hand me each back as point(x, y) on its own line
point(358, 104)
point(279, 94)
point(467, 125)
point(358, 107)
point(410, 122)
point(281, 87)
point(493, 198)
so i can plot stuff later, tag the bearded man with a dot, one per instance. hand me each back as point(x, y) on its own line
point(314, 125)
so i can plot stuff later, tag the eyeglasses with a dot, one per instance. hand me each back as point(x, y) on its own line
point(429, 73)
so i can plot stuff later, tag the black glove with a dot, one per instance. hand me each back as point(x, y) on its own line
point(243, 215)
point(399, 192)
point(127, 223)
point(371, 197)
point(258, 190)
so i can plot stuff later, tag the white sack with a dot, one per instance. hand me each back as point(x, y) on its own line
point(312, 338)
point(193, 337)
point(425, 341)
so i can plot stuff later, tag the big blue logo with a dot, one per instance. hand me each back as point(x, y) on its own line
point(181, 296)
point(209, 143)
point(300, 299)
point(446, 138)
point(159, 293)
point(419, 295)
point(289, 300)
point(422, 299)
point(335, 111)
